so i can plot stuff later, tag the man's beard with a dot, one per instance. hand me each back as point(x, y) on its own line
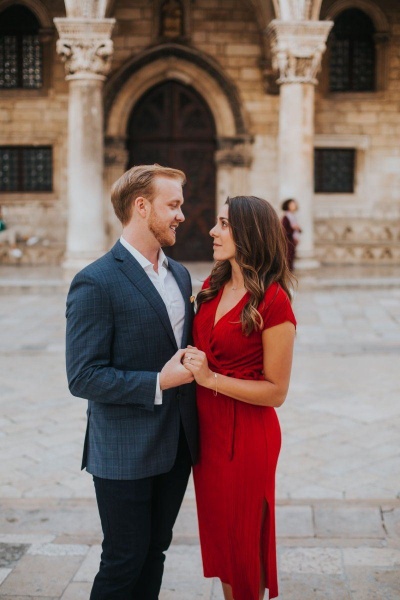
point(163, 234)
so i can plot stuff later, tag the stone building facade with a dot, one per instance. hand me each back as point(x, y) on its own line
point(275, 98)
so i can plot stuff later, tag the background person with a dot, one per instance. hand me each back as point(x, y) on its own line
point(292, 229)
point(244, 332)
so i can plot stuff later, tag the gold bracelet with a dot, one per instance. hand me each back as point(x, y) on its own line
point(215, 392)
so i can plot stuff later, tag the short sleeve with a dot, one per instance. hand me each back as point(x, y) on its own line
point(206, 283)
point(276, 308)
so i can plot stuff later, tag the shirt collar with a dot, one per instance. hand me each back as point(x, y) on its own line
point(142, 260)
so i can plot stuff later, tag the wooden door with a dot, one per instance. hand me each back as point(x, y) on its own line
point(172, 125)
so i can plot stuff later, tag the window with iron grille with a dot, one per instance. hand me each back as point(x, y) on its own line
point(334, 170)
point(26, 169)
point(352, 53)
point(20, 49)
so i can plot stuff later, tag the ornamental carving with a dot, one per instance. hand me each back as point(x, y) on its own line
point(86, 58)
point(234, 152)
point(297, 48)
point(85, 47)
point(115, 152)
point(343, 241)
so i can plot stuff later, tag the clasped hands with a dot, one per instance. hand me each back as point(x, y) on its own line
point(196, 362)
point(186, 365)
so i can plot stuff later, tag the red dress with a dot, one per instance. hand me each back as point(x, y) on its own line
point(239, 448)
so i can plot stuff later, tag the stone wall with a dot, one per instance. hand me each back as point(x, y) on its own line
point(364, 226)
point(37, 117)
point(227, 32)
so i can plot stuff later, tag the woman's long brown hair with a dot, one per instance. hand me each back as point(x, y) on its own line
point(260, 253)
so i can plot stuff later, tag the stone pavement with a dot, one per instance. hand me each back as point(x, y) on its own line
point(338, 484)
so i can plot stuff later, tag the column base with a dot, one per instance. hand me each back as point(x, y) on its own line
point(306, 264)
point(72, 265)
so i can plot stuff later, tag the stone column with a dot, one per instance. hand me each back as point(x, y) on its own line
point(116, 162)
point(233, 160)
point(297, 49)
point(86, 48)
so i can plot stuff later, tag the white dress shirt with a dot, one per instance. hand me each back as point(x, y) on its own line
point(166, 285)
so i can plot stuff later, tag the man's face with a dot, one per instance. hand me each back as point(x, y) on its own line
point(166, 210)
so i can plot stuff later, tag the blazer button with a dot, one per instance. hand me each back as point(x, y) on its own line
point(178, 396)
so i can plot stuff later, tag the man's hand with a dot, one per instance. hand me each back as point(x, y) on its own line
point(174, 373)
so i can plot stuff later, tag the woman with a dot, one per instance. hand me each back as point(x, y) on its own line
point(244, 332)
point(292, 229)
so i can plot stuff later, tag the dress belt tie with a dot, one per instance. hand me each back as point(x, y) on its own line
point(232, 405)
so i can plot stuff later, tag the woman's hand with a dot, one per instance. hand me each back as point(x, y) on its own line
point(196, 362)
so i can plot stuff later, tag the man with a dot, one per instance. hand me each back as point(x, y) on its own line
point(128, 315)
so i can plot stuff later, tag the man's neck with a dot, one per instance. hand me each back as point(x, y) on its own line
point(149, 248)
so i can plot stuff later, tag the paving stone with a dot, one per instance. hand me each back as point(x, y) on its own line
point(294, 521)
point(313, 587)
point(378, 557)
point(77, 591)
point(348, 522)
point(366, 583)
point(17, 538)
point(338, 443)
point(58, 550)
point(4, 573)
point(28, 597)
point(90, 566)
point(311, 560)
point(11, 553)
point(186, 527)
point(40, 576)
point(37, 518)
point(183, 578)
point(216, 593)
point(391, 518)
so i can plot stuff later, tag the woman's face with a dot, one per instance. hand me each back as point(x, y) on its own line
point(292, 206)
point(224, 246)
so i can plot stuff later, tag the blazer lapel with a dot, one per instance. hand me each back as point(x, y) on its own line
point(185, 291)
point(137, 276)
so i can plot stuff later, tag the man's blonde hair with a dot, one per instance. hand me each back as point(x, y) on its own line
point(139, 181)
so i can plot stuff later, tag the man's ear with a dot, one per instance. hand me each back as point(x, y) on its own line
point(142, 206)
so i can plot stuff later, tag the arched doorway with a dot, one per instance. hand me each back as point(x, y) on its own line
point(173, 126)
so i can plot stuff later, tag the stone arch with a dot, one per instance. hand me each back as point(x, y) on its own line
point(370, 8)
point(315, 10)
point(233, 155)
point(171, 61)
point(37, 8)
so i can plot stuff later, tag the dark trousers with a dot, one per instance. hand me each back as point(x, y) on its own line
point(137, 517)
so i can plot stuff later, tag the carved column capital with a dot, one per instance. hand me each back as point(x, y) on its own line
point(234, 152)
point(116, 153)
point(85, 47)
point(297, 48)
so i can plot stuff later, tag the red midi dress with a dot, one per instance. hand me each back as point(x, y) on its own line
point(239, 447)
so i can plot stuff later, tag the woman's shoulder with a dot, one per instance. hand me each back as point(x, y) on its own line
point(276, 307)
point(206, 283)
point(275, 292)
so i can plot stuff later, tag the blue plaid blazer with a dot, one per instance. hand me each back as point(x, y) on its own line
point(119, 337)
